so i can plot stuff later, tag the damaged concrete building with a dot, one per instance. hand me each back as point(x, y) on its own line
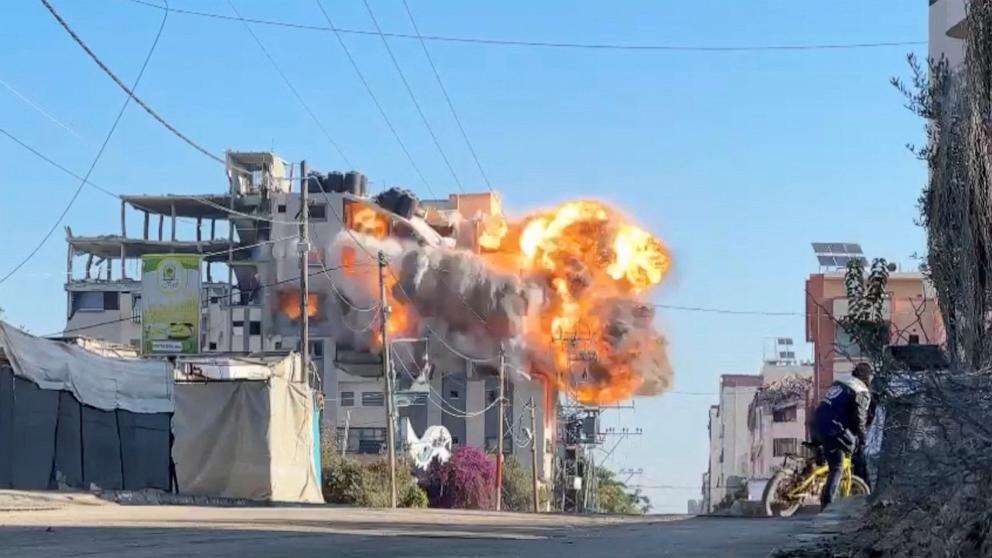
point(250, 303)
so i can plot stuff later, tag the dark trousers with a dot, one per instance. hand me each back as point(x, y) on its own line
point(835, 459)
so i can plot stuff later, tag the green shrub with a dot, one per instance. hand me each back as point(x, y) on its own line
point(349, 481)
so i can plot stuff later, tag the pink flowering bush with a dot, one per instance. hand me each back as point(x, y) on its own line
point(467, 481)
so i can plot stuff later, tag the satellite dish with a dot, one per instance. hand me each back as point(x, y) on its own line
point(892, 267)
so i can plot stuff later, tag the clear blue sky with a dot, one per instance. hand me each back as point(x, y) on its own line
point(738, 160)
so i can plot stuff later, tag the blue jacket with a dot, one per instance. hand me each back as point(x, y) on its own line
point(844, 410)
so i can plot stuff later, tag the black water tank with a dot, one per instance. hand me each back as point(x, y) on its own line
point(353, 183)
point(333, 182)
point(314, 180)
point(398, 200)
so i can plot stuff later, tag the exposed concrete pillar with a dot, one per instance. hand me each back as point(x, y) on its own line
point(475, 401)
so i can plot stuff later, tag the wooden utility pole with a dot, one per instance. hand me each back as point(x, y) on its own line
point(533, 454)
point(304, 248)
point(499, 442)
point(387, 373)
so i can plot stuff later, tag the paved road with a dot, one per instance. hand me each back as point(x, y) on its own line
point(95, 528)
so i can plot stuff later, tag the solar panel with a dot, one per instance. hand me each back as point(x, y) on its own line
point(853, 249)
point(826, 260)
point(820, 247)
point(784, 340)
point(842, 261)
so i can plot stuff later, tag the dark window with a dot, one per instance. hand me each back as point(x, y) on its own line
point(318, 212)
point(254, 328)
point(112, 301)
point(281, 208)
point(212, 346)
point(453, 394)
point(914, 339)
point(347, 399)
point(238, 323)
point(787, 414)
point(87, 301)
point(784, 446)
point(491, 396)
point(278, 345)
point(373, 399)
point(454, 441)
point(317, 348)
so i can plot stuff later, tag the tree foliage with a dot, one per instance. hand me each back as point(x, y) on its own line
point(865, 321)
point(614, 496)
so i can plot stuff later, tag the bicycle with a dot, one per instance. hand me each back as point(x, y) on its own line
point(792, 486)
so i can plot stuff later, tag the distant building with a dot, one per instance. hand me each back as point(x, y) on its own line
point(911, 310)
point(777, 417)
point(730, 439)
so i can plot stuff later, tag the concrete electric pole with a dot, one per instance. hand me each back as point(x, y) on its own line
point(304, 248)
point(388, 375)
point(533, 454)
point(499, 442)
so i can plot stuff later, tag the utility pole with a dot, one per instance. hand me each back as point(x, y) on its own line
point(388, 374)
point(499, 441)
point(533, 454)
point(347, 424)
point(304, 248)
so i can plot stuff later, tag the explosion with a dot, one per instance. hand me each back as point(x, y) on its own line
point(598, 333)
point(560, 293)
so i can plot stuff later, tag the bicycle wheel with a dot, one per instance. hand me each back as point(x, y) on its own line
point(774, 500)
point(859, 487)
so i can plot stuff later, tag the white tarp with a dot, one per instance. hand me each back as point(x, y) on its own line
point(246, 438)
point(140, 386)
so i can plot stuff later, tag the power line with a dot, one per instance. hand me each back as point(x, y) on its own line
point(375, 100)
point(39, 109)
point(561, 44)
point(115, 195)
point(55, 164)
point(413, 97)
point(447, 98)
point(130, 91)
point(103, 146)
point(291, 87)
point(726, 311)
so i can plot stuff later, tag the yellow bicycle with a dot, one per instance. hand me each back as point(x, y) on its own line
point(801, 480)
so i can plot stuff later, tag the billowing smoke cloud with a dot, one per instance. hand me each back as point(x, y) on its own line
point(607, 350)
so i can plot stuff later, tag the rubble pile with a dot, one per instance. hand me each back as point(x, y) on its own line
point(790, 389)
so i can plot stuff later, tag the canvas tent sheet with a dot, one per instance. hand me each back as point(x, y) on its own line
point(49, 440)
point(106, 383)
point(247, 438)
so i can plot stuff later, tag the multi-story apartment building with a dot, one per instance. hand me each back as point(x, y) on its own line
point(247, 237)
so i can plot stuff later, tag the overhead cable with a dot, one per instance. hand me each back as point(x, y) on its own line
point(291, 87)
point(560, 44)
point(375, 100)
point(106, 139)
point(413, 97)
point(447, 98)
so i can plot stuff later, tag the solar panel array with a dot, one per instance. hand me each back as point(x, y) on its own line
point(838, 254)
